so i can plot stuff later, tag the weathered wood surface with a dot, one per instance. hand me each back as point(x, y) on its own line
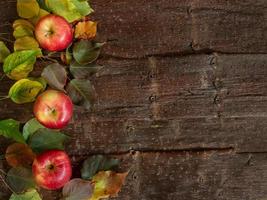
point(184, 89)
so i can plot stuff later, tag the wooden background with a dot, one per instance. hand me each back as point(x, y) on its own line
point(182, 98)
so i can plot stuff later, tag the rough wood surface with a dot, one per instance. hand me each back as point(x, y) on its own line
point(183, 89)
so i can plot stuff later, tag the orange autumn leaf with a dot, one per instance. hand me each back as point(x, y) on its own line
point(86, 30)
point(107, 184)
point(18, 154)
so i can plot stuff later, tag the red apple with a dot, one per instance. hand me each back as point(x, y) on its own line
point(53, 109)
point(52, 169)
point(53, 33)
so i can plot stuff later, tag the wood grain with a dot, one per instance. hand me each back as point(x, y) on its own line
point(229, 26)
point(183, 89)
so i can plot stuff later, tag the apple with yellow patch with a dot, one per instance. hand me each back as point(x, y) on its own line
point(52, 169)
point(53, 109)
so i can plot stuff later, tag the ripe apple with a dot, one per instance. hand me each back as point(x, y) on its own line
point(53, 33)
point(52, 169)
point(53, 109)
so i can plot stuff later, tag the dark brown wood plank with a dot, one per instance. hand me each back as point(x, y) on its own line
point(153, 100)
point(135, 29)
point(139, 28)
point(188, 102)
point(201, 176)
point(241, 83)
point(229, 26)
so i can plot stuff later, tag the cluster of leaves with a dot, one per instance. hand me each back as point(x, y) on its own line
point(69, 72)
point(97, 180)
point(33, 139)
point(70, 69)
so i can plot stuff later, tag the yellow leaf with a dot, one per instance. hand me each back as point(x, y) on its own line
point(22, 31)
point(27, 8)
point(107, 184)
point(18, 154)
point(24, 23)
point(26, 43)
point(25, 91)
point(41, 14)
point(86, 30)
point(4, 51)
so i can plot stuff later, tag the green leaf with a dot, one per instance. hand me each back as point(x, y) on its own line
point(31, 127)
point(29, 195)
point(27, 8)
point(26, 43)
point(4, 51)
point(82, 7)
point(19, 64)
point(81, 92)
point(9, 128)
point(97, 163)
point(41, 14)
point(86, 51)
point(22, 31)
point(84, 71)
point(20, 179)
point(25, 91)
point(55, 75)
point(77, 189)
point(47, 139)
point(71, 10)
point(43, 5)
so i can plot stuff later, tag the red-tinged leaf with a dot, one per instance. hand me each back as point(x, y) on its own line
point(86, 30)
point(107, 184)
point(77, 189)
point(19, 154)
point(55, 75)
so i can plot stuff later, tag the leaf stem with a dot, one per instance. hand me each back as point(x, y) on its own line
point(4, 97)
point(4, 181)
point(54, 54)
point(48, 58)
point(2, 77)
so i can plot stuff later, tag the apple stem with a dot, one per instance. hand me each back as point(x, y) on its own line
point(54, 54)
point(4, 181)
point(4, 97)
point(48, 58)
